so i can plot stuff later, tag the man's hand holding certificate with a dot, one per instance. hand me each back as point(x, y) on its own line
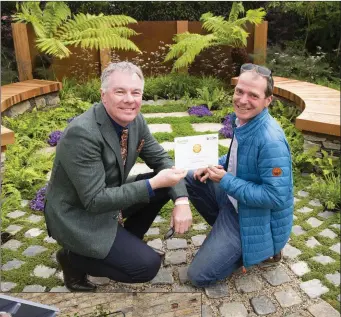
point(193, 152)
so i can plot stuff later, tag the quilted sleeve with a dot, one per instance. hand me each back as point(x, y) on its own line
point(275, 188)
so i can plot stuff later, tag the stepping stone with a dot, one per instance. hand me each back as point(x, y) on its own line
point(184, 289)
point(47, 150)
point(48, 175)
point(34, 250)
point(164, 277)
point(198, 240)
point(336, 226)
point(298, 314)
point(16, 214)
point(233, 309)
point(140, 168)
point(323, 259)
point(24, 203)
point(294, 217)
point(315, 203)
point(43, 271)
point(50, 240)
point(34, 232)
point(34, 289)
point(262, 305)
point(7, 286)
point(153, 231)
point(59, 289)
point(163, 127)
point(176, 243)
point(53, 257)
point(34, 218)
point(290, 252)
point(204, 127)
point(12, 265)
point(312, 242)
point(304, 210)
point(200, 226)
point(288, 298)
point(326, 214)
point(300, 268)
point(154, 290)
point(166, 114)
point(217, 291)
point(248, 284)
point(12, 245)
point(225, 142)
point(206, 311)
point(59, 275)
point(182, 272)
point(335, 248)
point(156, 243)
point(297, 230)
point(168, 146)
point(13, 229)
point(159, 219)
point(296, 200)
point(99, 280)
point(314, 222)
point(302, 193)
point(314, 288)
point(175, 257)
point(327, 233)
point(334, 278)
point(323, 309)
point(276, 277)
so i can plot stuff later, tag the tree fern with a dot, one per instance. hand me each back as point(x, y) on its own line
point(229, 32)
point(55, 29)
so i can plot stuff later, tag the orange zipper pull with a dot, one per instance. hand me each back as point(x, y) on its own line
point(243, 269)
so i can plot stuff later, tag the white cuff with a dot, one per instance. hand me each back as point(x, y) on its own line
point(181, 202)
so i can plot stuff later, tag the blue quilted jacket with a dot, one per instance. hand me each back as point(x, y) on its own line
point(263, 188)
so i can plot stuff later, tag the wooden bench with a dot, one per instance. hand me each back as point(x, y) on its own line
point(17, 92)
point(320, 105)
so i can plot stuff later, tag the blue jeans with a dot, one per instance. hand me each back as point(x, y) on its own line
point(220, 254)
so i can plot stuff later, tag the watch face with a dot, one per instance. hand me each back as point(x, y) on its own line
point(196, 148)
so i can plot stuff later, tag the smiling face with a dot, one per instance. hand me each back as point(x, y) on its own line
point(123, 97)
point(249, 96)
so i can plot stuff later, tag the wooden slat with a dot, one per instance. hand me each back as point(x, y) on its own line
point(7, 136)
point(320, 105)
point(17, 92)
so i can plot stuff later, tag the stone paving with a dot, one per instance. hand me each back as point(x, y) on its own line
point(291, 288)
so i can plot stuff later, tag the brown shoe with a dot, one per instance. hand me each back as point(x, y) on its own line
point(276, 258)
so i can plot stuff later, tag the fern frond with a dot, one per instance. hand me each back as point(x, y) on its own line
point(256, 16)
point(55, 13)
point(187, 48)
point(215, 24)
point(237, 8)
point(53, 46)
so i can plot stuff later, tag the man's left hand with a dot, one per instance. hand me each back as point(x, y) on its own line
point(216, 173)
point(181, 218)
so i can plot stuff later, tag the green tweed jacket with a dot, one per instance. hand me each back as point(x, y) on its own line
point(88, 184)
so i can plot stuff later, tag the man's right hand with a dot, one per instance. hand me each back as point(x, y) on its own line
point(167, 178)
point(201, 174)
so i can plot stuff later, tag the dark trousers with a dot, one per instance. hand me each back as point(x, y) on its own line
point(130, 260)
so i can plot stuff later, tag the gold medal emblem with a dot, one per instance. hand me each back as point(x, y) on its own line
point(196, 148)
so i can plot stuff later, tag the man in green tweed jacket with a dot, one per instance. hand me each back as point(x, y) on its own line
point(90, 193)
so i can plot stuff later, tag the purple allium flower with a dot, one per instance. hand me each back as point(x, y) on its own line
point(199, 111)
point(37, 203)
point(54, 137)
point(227, 129)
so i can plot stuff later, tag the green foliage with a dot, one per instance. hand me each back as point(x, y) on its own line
point(213, 99)
point(229, 32)
point(327, 189)
point(55, 29)
point(176, 86)
point(295, 62)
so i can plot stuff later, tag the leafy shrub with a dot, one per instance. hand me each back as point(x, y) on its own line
point(327, 190)
point(213, 99)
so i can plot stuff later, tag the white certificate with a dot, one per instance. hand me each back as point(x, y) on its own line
point(198, 151)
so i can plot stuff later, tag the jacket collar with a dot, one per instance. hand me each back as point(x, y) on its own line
point(249, 129)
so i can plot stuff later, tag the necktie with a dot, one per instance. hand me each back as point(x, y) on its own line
point(124, 153)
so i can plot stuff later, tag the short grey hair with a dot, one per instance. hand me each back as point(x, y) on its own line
point(126, 67)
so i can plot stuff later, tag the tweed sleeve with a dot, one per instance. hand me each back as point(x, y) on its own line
point(275, 188)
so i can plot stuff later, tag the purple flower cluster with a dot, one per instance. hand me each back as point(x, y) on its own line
point(37, 203)
point(227, 129)
point(199, 111)
point(54, 137)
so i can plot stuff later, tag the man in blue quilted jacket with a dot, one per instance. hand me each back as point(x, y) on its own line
point(248, 197)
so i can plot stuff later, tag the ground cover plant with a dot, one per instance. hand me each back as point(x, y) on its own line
point(28, 163)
